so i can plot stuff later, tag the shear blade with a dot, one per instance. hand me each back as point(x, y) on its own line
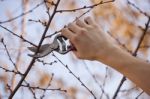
point(42, 48)
point(45, 50)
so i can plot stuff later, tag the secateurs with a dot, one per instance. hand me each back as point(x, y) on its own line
point(59, 45)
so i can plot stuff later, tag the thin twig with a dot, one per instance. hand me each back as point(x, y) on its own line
point(95, 80)
point(22, 14)
point(85, 7)
point(118, 41)
point(45, 63)
point(32, 90)
point(132, 4)
point(104, 82)
point(49, 84)
point(11, 71)
point(39, 88)
point(8, 54)
point(139, 95)
point(19, 36)
point(38, 21)
point(66, 66)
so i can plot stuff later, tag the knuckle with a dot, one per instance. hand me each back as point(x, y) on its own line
point(87, 18)
point(89, 27)
point(95, 25)
point(70, 25)
point(63, 30)
point(78, 22)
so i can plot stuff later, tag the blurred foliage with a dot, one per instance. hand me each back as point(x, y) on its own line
point(120, 18)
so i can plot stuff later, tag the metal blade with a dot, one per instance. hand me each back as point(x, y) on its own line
point(42, 48)
point(46, 51)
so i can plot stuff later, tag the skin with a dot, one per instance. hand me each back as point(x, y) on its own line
point(92, 43)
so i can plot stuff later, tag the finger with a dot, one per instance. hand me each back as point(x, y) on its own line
point(74, 28)
point(89, 21)
point(67, 33)
point(81, 23)
point(77, 54)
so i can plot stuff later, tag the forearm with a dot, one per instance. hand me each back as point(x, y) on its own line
point(135, 69)
point(86, 45)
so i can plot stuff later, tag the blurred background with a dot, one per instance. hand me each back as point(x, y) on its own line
point(81, 79)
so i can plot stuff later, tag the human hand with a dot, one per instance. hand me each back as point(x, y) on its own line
point(89, 40)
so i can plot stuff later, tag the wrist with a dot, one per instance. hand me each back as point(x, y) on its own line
point(115, 57)
point(104, 54)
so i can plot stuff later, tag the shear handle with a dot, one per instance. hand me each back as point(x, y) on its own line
point(63, 47)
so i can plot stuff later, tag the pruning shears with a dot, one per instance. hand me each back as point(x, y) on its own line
point(59, 45)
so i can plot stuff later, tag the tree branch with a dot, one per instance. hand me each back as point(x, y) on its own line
point(22, 14)
point(33, 60)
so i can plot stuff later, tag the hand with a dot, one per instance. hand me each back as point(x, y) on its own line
point(93, 44)
point(89, 40)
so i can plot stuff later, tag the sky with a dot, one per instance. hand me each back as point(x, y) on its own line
point(33, 34)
